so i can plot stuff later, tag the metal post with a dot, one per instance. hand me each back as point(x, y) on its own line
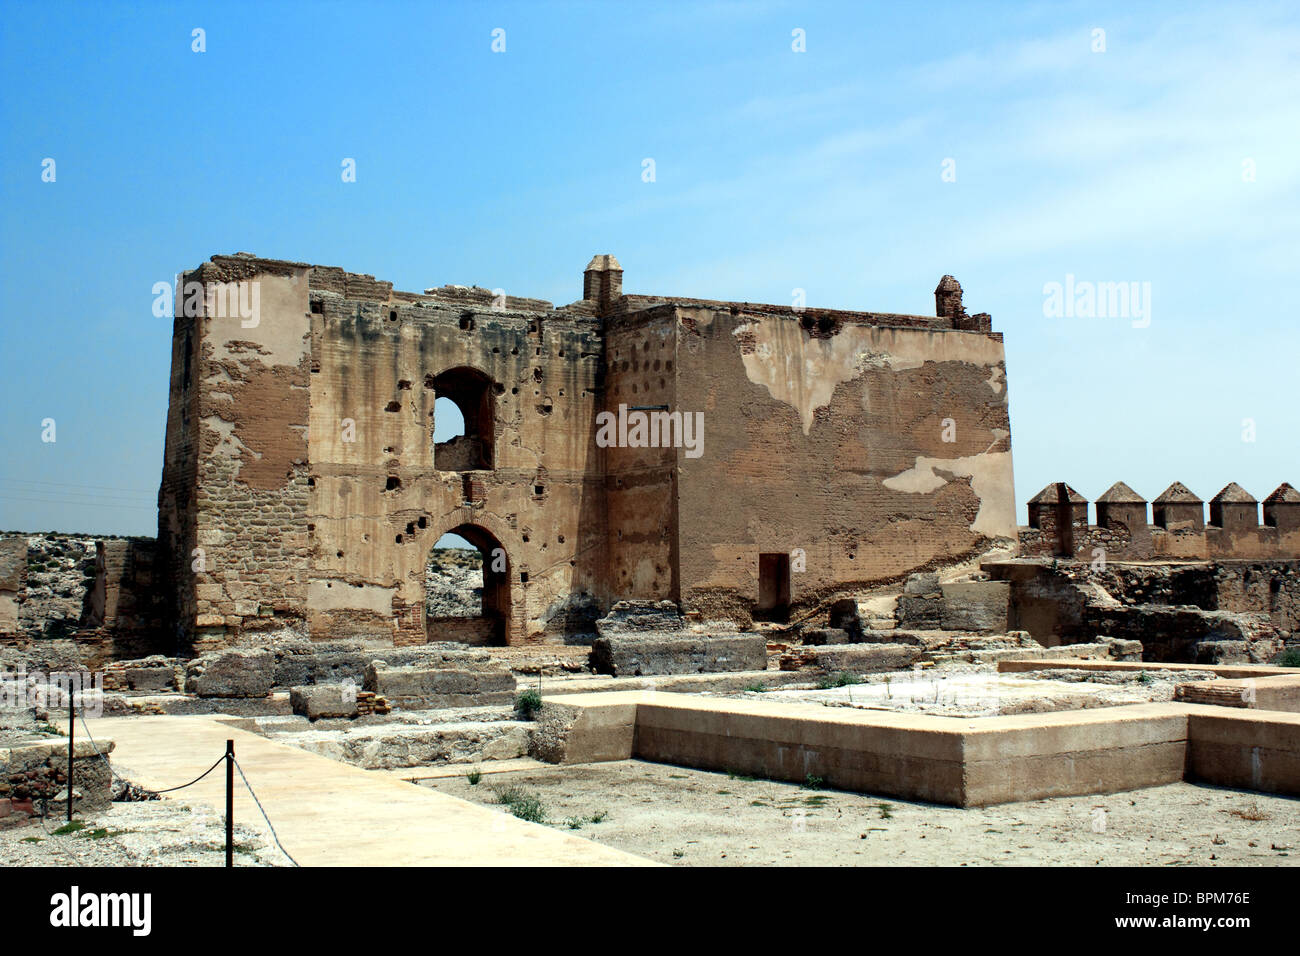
point(230, 803)
point(72, 736)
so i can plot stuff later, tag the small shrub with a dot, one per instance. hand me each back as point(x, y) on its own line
point(31, 839)
point(72, 827)
point(574, 823)
point(474, 776)
point(755, 689)
point(529, 808)
point(813, 783)
point(521, 803)
point(528, 703)
point(508, 795)
point(1290, 657)
point(886, 810)
point(599, 816)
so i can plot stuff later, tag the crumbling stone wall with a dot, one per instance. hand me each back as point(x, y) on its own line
point(78, 598)
point(13, 582)
point(1203, 612)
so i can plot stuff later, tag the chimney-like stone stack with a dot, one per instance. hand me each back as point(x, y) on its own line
point(602, 282)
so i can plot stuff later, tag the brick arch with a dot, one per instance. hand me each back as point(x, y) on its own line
point(504, 598)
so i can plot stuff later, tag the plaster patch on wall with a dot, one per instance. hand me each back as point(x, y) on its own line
point(991, 480)
point(803, 372)
point(282, 334)
point(342, 596)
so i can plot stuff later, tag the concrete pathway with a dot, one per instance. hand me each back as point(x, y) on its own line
point(331, 814)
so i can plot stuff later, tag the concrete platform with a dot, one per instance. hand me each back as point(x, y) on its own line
point(330, 814)
point(948, 760)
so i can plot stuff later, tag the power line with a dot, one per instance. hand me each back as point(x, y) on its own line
point(30, 481)
point(84, 504)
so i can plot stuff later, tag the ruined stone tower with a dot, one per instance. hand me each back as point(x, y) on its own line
point(301, 482)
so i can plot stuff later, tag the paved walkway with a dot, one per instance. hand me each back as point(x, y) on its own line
point(331, 814)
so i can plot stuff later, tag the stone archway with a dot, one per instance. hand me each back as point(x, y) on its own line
point(492, 625)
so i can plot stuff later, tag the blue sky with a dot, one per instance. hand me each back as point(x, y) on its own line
point(775, 170)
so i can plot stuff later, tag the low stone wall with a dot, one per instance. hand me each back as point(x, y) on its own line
point(301, 663)
point(1231, 612)
point(34, 778)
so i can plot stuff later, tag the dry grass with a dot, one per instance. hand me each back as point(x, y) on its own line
point(1252, 813)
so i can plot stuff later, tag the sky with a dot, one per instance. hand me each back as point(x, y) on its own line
point(1010, 145)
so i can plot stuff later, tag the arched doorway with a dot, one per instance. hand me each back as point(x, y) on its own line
point(467, 558)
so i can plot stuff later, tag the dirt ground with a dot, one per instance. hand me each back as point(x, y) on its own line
point(696, 818)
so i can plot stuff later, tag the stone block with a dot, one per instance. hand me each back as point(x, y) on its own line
point(324, 700)
point(231, 673)
point(659, 653)
point(867, 658)
point(920, 584)
point(416, 686)
point(640, 617)
point(978, 606)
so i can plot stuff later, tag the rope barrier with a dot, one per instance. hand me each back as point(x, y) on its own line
point(100, 754)
point(275, 836)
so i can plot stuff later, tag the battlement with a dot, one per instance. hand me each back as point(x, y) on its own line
point(1177, 529)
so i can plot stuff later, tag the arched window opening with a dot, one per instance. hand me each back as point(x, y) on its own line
point(464, 427)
